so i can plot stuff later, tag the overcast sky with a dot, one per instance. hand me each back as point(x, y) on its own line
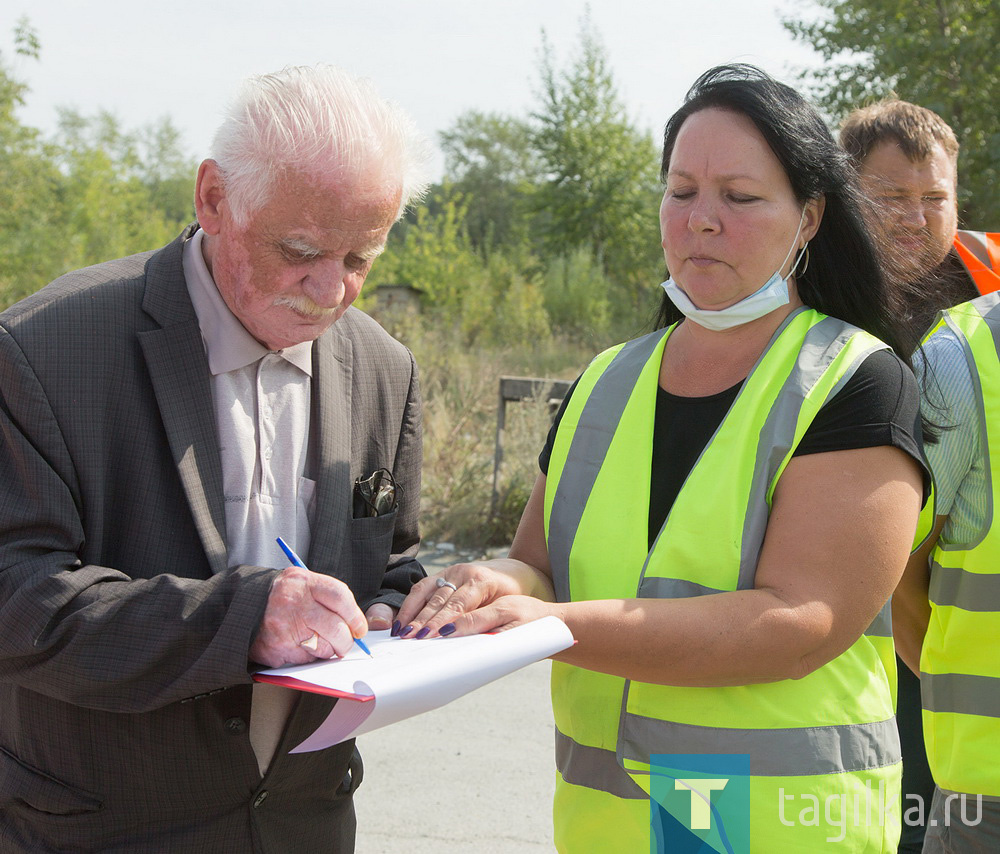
point(183, 59)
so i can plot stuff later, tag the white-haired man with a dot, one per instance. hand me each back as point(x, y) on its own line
point(163, 418)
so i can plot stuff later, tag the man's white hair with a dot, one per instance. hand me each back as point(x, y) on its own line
point(318, 120)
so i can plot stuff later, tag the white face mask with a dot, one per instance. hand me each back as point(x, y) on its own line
point(773, 295)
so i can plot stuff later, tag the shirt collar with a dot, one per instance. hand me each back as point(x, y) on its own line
point(227, 343)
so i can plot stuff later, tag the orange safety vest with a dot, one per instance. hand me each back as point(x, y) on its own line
point(980, 253)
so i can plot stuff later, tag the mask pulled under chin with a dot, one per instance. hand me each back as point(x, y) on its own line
point(773, 295)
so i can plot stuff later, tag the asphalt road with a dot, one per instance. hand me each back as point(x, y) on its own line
point(475, 776)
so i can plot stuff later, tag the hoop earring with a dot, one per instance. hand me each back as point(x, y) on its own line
point(804, 253)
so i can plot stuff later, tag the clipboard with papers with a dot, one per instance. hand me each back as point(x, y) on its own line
point(404, 678)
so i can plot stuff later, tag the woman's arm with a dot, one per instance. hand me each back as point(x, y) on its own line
point(837, 541)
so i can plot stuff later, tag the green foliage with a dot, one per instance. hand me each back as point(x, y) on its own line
point(601, 186)
point(941, 55)
point(93, 193)
point(483, 299)
point(107, 191)
point(578, 295)
point(30, 216)
point(545, 225)
point(435, 256)
point(490, 161)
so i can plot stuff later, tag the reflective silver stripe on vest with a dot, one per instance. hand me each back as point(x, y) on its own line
point(793, 752)
point(970, 591)
point(961, 693)
point(988, 308)
point(881, 626)
point(588, 448)
point(822, 344)
point(975, 242)
point(594, 768)
point(653, 587)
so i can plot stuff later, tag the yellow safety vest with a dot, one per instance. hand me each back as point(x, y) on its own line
point(960, 660)
point(830, 733)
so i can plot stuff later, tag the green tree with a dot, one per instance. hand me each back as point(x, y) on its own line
point(578, 296)
point(490, 161)
point(600, 185)
point(32, 249)
point(94, 192)
point(941, 54)
point(120, 196)
point(434, 256)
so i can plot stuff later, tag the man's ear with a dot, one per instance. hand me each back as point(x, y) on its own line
point(209, 197)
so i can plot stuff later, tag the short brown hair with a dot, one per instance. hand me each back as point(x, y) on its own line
point(916, 129)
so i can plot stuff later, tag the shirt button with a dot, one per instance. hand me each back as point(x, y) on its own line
point(267, 453)
point(234, 726)
point(260, 799)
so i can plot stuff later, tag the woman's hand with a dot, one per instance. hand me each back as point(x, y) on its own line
point(507, 612)
point(439, 601)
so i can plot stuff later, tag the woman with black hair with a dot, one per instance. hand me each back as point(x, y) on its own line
point(724, 509)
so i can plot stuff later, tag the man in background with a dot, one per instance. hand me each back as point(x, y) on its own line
point(907, 160)
point(906, 157)
point(163, 418)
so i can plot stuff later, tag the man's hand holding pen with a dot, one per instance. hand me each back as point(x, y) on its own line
point(302, 604)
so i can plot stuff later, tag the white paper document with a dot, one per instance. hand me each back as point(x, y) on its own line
point(407, 677)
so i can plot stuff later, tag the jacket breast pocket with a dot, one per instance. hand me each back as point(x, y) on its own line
point(371, 545)
point(24, 786)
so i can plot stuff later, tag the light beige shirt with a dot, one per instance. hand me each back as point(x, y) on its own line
point(262, 407)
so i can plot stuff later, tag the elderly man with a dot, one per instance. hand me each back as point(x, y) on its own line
point(163, 418)
point(906, 157)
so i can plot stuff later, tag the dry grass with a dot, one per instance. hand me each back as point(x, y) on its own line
point(460, 388)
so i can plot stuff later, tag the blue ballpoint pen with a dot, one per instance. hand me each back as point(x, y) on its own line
point(297, 561)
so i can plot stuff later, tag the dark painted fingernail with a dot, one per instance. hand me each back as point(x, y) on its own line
point(446, 629)
point(404, 632)
point(395, 629)
point(423, 632)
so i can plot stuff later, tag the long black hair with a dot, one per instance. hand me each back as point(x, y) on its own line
point(844, 278)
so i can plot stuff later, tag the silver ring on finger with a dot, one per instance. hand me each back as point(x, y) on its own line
point(444, 582)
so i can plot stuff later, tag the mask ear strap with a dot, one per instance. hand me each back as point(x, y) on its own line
point(791, 248)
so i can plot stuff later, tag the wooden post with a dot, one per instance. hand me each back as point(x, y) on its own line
point(520, 388)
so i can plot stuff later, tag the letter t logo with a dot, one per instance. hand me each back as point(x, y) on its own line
point(701, 799)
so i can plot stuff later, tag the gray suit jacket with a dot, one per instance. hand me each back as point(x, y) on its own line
point(124, 683)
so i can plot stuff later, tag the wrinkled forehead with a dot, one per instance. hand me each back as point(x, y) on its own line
point(364, 202)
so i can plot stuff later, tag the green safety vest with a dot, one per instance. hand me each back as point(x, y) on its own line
point(830, 732)
point(960, 662)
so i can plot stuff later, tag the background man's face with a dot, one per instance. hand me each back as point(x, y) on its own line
point(915, 210)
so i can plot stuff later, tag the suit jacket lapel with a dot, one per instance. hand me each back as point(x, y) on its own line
point(178, 369)
point(332, 381)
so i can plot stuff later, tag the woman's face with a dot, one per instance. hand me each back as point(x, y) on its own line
point(729, 216)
